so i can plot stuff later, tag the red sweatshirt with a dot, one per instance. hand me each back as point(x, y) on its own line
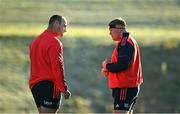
point(46, 59)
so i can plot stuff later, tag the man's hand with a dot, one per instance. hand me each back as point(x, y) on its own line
point(106, 61)
point(104, 72)
point(67, 94)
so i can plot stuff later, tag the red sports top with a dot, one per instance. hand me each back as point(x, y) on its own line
point(46, 59)
point(132, 76)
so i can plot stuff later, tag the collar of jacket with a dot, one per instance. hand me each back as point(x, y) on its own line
point(53, 33)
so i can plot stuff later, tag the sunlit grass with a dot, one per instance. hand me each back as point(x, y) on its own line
point(72, 31)
point(145, 35)
point(20, 30)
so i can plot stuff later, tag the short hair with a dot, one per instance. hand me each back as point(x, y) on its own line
point(55, 18)
point(119, 21)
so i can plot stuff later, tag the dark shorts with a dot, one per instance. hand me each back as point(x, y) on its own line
point(46, 94)
point(125, 98)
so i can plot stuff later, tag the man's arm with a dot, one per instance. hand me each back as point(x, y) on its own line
point(125, 55)
point(57, 64)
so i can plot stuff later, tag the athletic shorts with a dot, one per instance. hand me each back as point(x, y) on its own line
point(125, 98)
point(46, 94)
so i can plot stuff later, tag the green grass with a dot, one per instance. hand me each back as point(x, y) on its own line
point(83, 53)
point(146, 36)
point(153, 23)
point(92, 12)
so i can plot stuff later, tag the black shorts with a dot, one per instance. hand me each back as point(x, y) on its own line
point(46, 94)
point(125, 98)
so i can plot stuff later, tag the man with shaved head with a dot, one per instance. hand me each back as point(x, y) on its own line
point(47, 77)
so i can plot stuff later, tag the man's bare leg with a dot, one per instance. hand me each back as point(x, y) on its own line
point(120, 112)
point(43, 110)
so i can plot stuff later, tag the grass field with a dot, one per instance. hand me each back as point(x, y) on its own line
point(153, 23)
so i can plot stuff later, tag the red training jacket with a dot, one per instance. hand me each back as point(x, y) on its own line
point(46, 59)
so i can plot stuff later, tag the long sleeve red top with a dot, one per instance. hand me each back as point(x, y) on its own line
point(46, 59)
